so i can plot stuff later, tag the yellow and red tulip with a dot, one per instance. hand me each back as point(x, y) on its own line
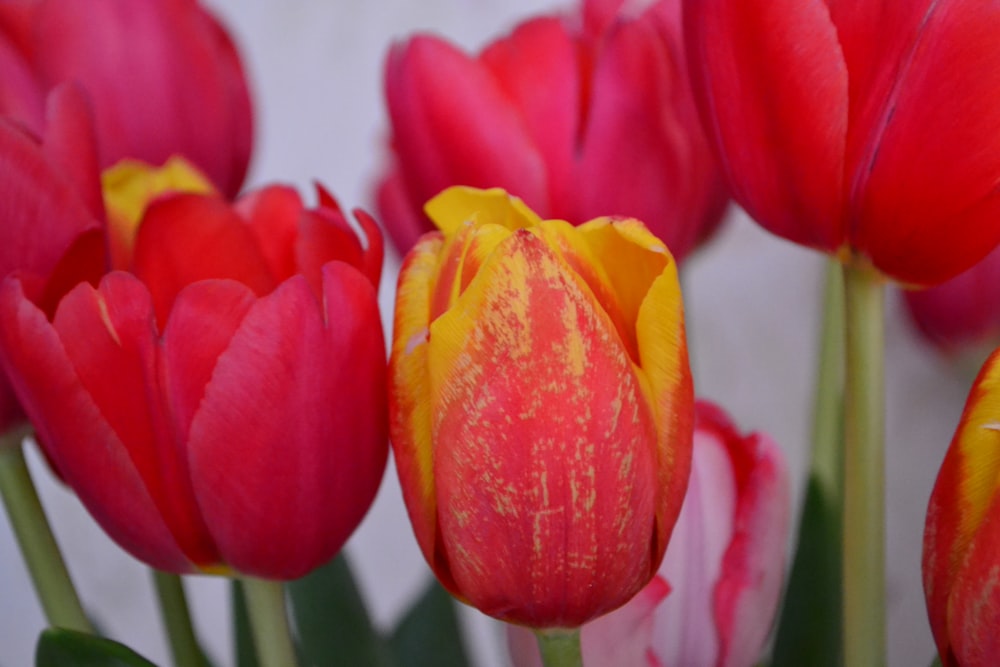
point(961, 558)
point(541, 407)
point(221, 405)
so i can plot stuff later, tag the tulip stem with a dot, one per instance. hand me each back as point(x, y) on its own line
point(864, 471)
point(38, 545)
point(560, 648)
point(266, 607)
point(184, 645)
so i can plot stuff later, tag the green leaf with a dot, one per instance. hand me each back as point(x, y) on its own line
point(809, 632)
point(429, 636)
point(58, 647)
point(332, 621)
point(246, 651)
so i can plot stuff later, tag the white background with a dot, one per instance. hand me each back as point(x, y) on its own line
point(753, 304)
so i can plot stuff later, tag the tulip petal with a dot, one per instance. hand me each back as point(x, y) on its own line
point(86, 432)
point(519, 379)
point(974, 604)
point(163, 76)
point(537, 67)
point(759, 67)
point(286, 392)
point(409, 395)
point(401, 217)
point(21, 97)
point(272, 214)
point(216, 243)
point(746, 597)
point(965, 489)
point(438, 96)
point(458, 206)
point(930, 180)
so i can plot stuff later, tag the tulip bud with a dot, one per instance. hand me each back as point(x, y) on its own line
point(713, 601)
point(962, 536)
point(541, 407)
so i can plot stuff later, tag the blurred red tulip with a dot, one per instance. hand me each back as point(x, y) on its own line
point(52, 231)
point(961, 316)
point(580, 116)
point(164, 78)
point(864, 129)
point(714, 599)
point(541, 407)
point(962, 536)
point(222, 406)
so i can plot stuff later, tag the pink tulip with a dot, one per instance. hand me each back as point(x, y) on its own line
point(716, 594)
point(580, 116)
point(164, 78)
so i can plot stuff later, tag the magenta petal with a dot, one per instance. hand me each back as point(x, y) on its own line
point(294, 413)
point(21, 96)
point(453, 124)
point(82, 441)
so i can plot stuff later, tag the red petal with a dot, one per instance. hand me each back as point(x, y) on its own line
point(163, 77)
point(974, 603)
point(453, 125)
point(771, 84)
point(289, 444)
point(85, 409)
point(186, 238)
point(272, 214)
point(925, 203)
point(401, 215)
point(537, 68)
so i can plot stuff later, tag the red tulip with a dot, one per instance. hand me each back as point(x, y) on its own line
point(962, 537)
point(541, 407)
point(864, 129)
point(713, 601)
point(221, 406)
point(961, 316)
point(163, 76)
point(51, 229)
point(578, 116)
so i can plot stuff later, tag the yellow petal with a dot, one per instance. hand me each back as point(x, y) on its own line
point(664, 361)
point(409, 390)
point(632, 257)
point(459, 205)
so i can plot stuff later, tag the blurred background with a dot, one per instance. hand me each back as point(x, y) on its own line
point(753, 310)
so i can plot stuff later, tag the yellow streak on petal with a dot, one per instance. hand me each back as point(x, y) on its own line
point(979, 450)
point(666, 376)
point(410, 398)
point(458, 205)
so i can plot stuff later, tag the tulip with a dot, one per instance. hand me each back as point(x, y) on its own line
point(541, 407)
point(580, 116)
point(221, 405)
point(865, 129)
point(962, 536)
point(960, 316)
point(714, 598)
point(51, 230)
point(164, 78)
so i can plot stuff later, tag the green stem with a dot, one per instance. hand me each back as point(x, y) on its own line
point(864, 471)
point(827, 465)
point(38, 546)
point(269, 619)
point(184, 645)
point(560, 648)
